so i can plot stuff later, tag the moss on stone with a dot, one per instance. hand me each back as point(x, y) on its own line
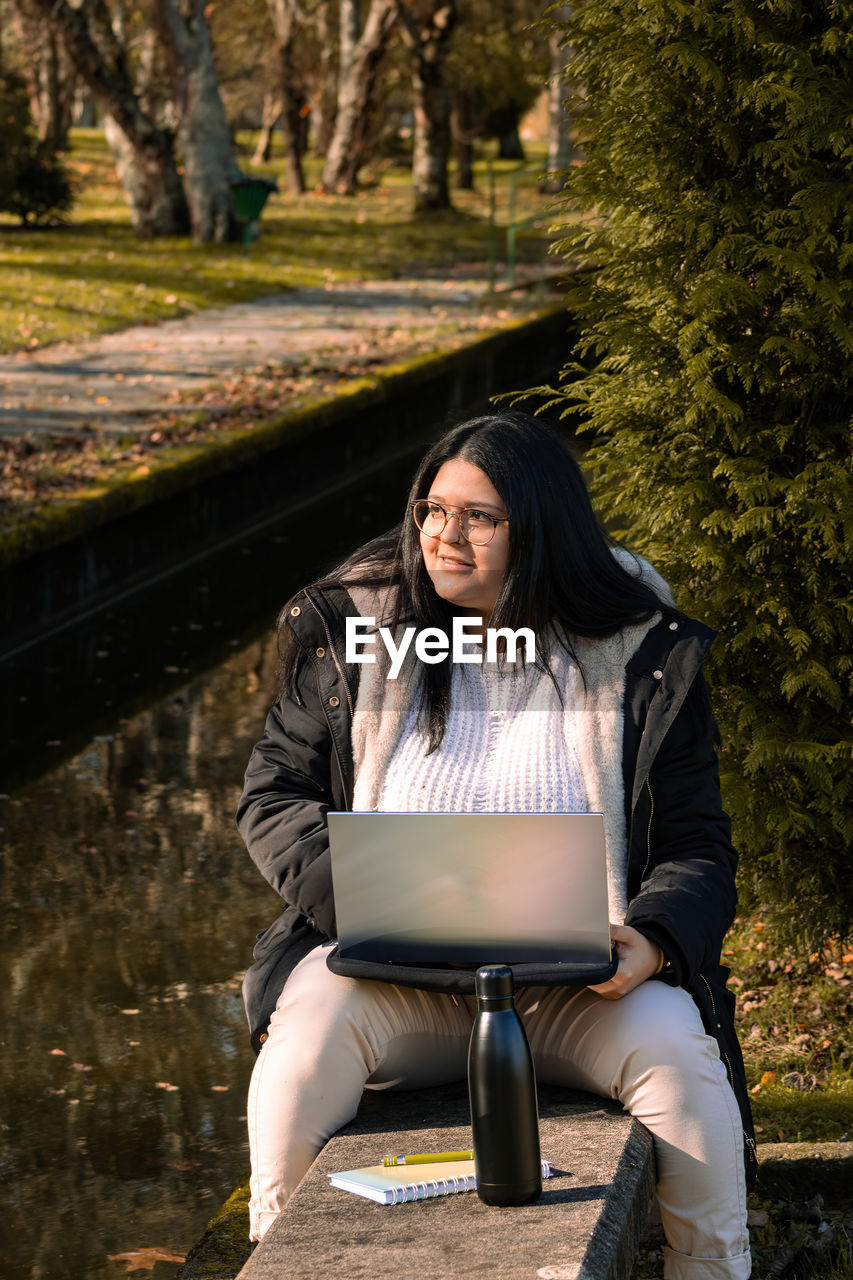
point(224, 1246)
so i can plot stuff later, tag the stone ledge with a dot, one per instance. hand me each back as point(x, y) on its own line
point(586, 1226)
point(791, 1170)
point(799, 1170)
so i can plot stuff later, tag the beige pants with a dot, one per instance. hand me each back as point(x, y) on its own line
point(330, 1036)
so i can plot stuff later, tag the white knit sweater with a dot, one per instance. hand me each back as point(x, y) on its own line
point(505, 748)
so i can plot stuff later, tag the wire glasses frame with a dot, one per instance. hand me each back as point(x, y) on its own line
point(475, 526)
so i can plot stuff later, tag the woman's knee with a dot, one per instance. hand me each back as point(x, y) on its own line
point(662, 1032)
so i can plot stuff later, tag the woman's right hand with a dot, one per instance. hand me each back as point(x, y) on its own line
point(638, 959)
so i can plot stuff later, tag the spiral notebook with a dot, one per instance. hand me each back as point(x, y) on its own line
point(392, 1186)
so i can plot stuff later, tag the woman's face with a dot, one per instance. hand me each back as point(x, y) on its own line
point(467, 576)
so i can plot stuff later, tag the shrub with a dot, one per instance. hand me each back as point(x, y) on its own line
point(33, 182)
point(717, 184)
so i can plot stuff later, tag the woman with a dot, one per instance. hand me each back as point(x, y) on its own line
point(612, 717)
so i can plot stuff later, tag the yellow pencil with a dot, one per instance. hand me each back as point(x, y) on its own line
point(390, 1161)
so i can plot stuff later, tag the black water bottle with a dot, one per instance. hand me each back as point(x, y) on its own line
point(502, 1092)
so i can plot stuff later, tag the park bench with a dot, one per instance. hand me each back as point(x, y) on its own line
point(585, 1226)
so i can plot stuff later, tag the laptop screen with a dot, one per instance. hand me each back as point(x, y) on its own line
point(470, 888)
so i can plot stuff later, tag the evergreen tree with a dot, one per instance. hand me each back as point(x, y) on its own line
point(717, 194)
point(33, 182)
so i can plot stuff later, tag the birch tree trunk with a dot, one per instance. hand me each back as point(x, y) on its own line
point(356, 92)
point(203, 134)
point(269, 118)
point(426, 27)
point(101, 62)
point(284, 14)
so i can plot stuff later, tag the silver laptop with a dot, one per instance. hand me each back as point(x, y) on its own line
point(470, 888)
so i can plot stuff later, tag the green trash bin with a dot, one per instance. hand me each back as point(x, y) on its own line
point(250, 195)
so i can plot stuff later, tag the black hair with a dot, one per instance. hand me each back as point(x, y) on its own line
point(562, 578)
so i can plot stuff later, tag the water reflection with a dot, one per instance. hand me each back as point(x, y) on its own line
point(129, 910)
point(130, 906)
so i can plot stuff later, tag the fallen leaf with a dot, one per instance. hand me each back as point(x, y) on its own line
point(146, 1259)
point(757, 1218)
point(219, 1088)
point(164, 1084)
point(59, 1053)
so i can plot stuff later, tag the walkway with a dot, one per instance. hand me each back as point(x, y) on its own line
point(119, 380)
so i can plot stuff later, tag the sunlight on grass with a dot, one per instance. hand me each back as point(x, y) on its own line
point(793, 1018)
point(94, 275)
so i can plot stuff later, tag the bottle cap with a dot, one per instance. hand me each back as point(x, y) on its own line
point(494, 982)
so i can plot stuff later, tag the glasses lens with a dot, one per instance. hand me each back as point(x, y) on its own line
point(429, 517)
point(478, 526)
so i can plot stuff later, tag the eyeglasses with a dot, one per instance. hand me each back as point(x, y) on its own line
point(475, 526)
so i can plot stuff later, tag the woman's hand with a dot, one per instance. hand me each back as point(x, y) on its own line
point(638, 959)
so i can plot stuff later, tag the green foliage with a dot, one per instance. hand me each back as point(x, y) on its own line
point(33, 183)
point(717, 184)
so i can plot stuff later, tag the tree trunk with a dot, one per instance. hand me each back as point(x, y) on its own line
point(50, 81)
point(427, 32)
point(510, 145)
point(324, 96)
point(203, 134)
point(84, 111)
point(559, 142)
point(269, 120)
point(356, 90)
point(463, 138)
point(103, 66)
point(148, 217)
point(284, 14)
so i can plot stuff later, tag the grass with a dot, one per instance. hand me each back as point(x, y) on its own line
point(795, 1028)
point(93, 275)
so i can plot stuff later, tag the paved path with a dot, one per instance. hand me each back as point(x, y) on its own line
point(118, 380)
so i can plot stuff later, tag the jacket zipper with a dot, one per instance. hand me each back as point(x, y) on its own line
point(750, 1142)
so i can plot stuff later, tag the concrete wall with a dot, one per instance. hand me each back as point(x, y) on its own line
point(80, 553)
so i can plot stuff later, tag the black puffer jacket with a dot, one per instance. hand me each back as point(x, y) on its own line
point(681, 864)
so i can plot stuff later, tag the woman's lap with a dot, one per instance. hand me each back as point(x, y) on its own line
point(331, 1036)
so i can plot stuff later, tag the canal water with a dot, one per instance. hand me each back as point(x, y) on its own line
point(130, 905)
